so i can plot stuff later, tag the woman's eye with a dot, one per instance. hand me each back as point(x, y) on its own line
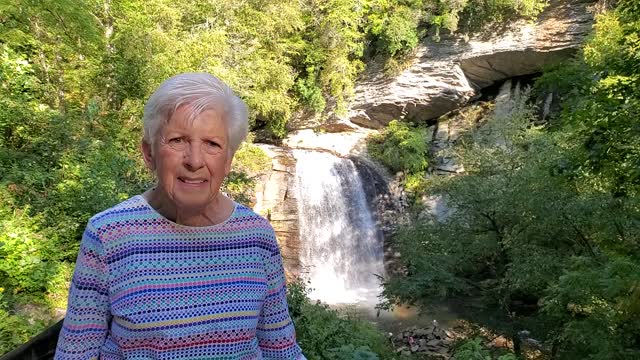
point(212, 147)
point(176, 140)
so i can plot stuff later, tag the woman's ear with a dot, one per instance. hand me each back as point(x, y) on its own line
point(147, 153)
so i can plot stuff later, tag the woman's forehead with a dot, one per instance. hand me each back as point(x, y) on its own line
point(208, 119)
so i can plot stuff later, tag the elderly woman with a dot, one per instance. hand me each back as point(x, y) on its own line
point(181, 271)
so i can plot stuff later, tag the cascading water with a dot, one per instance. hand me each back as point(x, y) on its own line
point(342, 248)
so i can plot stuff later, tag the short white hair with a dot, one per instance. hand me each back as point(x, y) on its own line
point(202, 92)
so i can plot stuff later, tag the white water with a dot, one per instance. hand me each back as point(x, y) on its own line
point(342, 248)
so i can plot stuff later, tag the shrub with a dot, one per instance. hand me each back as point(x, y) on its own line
point(474, 350)
point(249, 163)
point(400, 147)
point(324, 333)
point(399, 35)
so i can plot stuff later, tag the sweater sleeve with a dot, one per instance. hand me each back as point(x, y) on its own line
point(276, 334)
point(86, 323)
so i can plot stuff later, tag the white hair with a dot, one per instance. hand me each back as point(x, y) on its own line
point(202, 92)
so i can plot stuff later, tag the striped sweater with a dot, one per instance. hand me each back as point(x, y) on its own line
point(147, 288)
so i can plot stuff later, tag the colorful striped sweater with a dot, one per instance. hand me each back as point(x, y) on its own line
point(147, 288)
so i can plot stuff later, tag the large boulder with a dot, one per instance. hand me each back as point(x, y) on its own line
point(447, 74)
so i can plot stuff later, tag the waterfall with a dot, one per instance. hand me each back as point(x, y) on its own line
point(342, 247)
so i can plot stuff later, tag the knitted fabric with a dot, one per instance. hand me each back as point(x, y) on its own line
point(147, 288)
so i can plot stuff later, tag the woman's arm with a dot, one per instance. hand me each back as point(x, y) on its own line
point(86, 322)
point(276, 335)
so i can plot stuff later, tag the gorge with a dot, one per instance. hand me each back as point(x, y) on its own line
point(443, 78)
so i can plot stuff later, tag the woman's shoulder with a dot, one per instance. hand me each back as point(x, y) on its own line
point(245, 215)
point(132, 207)
point(250, 223)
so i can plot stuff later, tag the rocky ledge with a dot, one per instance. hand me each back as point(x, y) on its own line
point(445, 75)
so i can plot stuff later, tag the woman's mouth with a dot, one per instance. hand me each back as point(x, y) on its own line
point(192, 181)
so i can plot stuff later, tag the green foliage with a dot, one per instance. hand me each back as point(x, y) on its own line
point(310, 93)
point(350, 352)
point(601, 93)
point(400, 147)
point(475, 15)
point(336, 47)
point(251, 159)
point(15, 331)
point(472, 350)
point(527, 224)
point(21, 248)
point(324, 333)
point(249, 163)
point(598, 308)
point(395, 27)
point(565, 80)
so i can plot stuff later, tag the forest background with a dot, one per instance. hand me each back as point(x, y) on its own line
point(74, 76)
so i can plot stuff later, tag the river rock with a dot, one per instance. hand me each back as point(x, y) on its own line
point(445, 75)
point(423, 332)
point(433, 343)
point(424, 341)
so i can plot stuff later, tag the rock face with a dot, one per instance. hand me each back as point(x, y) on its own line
point(443, 135)
point(447, 74)
point(275, 200)
point(340, 144)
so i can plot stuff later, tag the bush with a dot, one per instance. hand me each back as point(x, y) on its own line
point(324, 333)
point(249, 163)
point(310, 93)
point(399, 34)
point(400, 147)
point(474, 350)
point(16, 330)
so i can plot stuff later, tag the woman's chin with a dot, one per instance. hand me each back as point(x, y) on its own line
point(193, 200)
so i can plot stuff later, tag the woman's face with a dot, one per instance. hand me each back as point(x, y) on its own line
point(190, 158)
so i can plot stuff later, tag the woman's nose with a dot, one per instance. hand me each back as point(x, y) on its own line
point(193, 158)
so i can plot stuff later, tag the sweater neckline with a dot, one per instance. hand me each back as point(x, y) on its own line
point(186, 227)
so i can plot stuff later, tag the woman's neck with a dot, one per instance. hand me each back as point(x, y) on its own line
point(213, 213)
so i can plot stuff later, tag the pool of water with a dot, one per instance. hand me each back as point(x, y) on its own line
point(403, 317)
